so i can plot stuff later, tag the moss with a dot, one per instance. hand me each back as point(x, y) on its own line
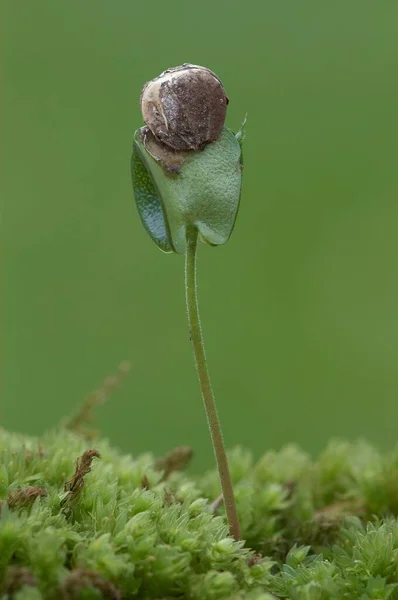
point(83, 522)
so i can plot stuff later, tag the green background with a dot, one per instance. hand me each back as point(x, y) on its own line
point(300, 308)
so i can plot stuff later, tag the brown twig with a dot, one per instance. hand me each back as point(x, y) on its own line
point(145, 485)
point(338, 511)
point(85, 415)
point(176, 460)
point(72, 586)
point(25, 496)
point(215, 505)
point(74, 485)
point(15, 578)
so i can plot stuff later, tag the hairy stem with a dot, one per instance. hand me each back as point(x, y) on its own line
point(205, 383)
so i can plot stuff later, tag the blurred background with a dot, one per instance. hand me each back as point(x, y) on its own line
point(300, 308)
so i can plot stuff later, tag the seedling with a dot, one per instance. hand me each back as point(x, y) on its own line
point(186, 172)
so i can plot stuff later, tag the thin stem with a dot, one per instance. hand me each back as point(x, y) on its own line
point(205, 383)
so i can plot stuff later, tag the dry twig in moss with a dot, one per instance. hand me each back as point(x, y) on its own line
point(176, 460)
point(74, 485)
point(25, 496)
point(84, 416)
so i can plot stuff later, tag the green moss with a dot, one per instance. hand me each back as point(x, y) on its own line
point(117, 527)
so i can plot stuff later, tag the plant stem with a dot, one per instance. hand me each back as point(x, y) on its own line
point(205, 383)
